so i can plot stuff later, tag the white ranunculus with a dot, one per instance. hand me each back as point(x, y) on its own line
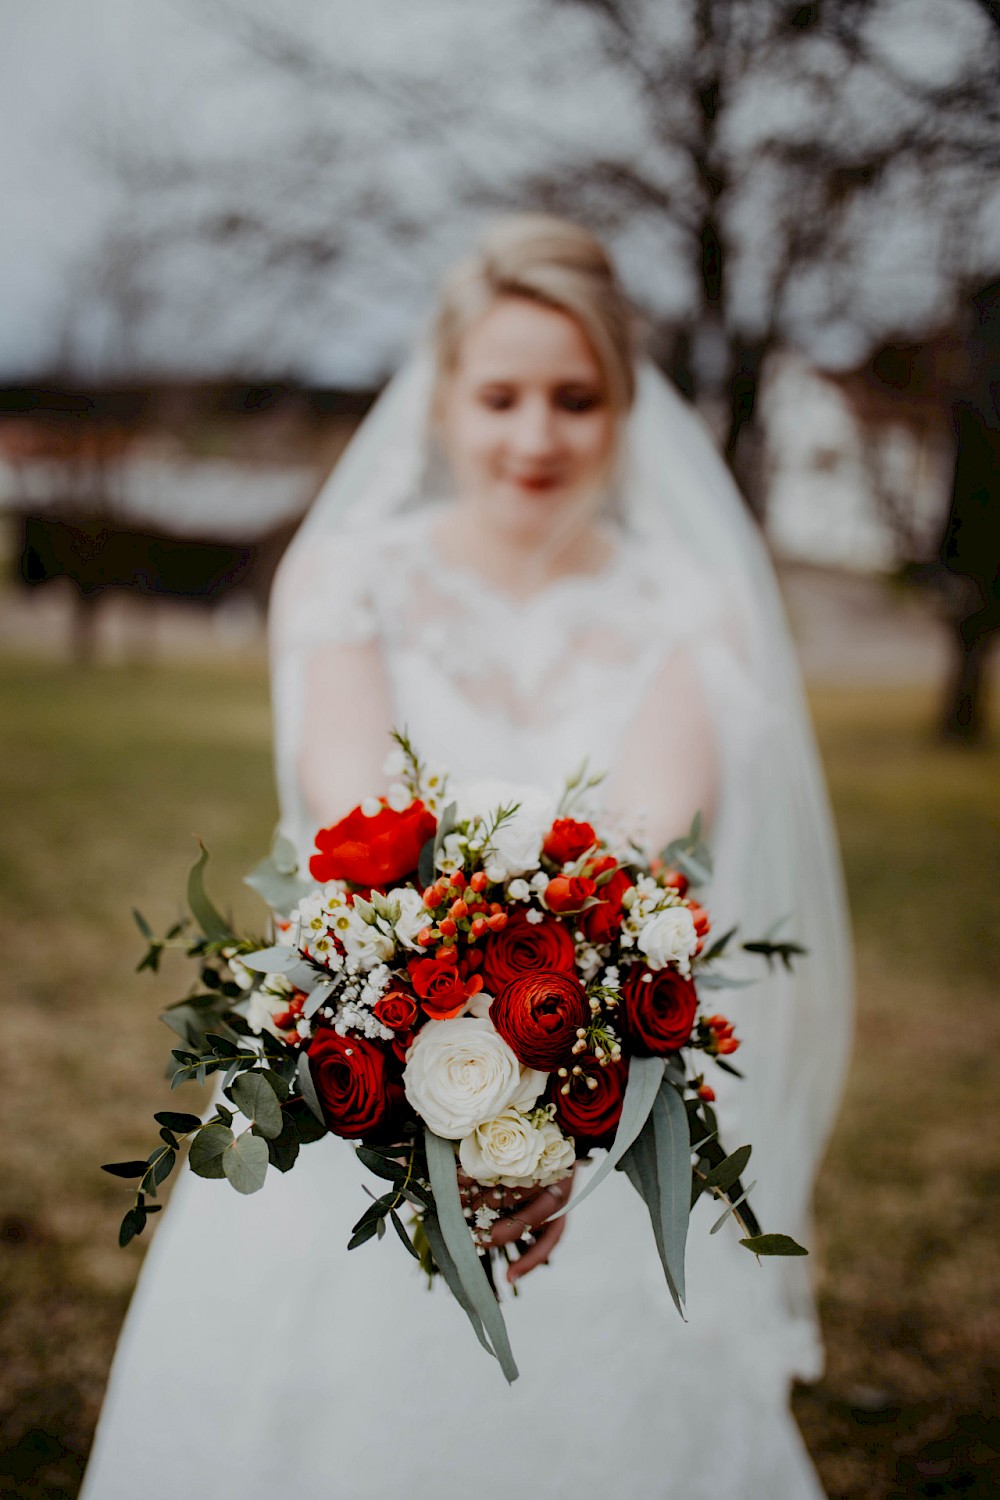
point(503, 1150)
point(516, 847)
point(558, 1154)
point(669, 938)
point(365, 942)
point(412, 918)
point(459, 1073)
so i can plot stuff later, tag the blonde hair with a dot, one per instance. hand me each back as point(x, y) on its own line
point(557, 263)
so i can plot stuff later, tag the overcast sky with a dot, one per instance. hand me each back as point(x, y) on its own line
point(77, 76)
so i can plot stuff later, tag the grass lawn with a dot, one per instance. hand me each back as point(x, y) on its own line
point(107, 776)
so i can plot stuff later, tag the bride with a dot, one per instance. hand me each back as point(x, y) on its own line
point(529, 555)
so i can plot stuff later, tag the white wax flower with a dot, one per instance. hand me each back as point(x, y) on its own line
point(459, 1073)
point(504, 1150)
point(669, 937)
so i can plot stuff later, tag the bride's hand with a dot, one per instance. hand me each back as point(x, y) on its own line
point(522, 1209)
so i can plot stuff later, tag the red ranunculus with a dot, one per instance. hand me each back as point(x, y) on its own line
point(601, 924)
point(591, 1115)
point(373, 851)
point(658, 1009)
point(567, 840)
point(524, 947)
point(349, 1075)
point(397, 1009)
point(443, 986)
point(569, 892)
point(538, 1016)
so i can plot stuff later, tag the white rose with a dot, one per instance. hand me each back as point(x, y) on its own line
point(669, 937)
point(516, 847)
point(558, 1154)
point(504, 1150)
point(459, 1073)
point(412, 918)
point(365, 942)
point(532, 1086)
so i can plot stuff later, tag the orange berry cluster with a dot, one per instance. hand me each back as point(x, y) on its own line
point(458, 906)
point(721, 1040)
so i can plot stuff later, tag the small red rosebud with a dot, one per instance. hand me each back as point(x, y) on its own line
point(700, 918)
point(458, 910)
point(425, 937)
point(432, 897)
point(447, 928)
point(497, 921)
point(707, 1093)
point(479, 882)
point(495, 907)
point(716, 1021)
point(727, 1044)
point(478, 928)
point(676, 881)
point(458, 880)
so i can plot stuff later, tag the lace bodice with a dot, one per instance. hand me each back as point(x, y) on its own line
point(490, 684)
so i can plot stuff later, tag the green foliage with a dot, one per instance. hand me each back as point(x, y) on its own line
point(690, 855)
point(245, 1162)
point(253, 1095)
point(773, 1244)
point(211, 922)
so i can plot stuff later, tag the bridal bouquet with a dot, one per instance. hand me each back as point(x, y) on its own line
point(475, 989)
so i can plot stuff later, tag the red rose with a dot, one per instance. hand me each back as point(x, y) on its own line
point(443, 985)
point(658, 1009)
point(568, 892)
point(349, 1075)
point(524, 947)
point(538, 1016)
point(591, 1115)
point(567, 840)
point(373, 851)
point(601, 924)
point(397, 1009)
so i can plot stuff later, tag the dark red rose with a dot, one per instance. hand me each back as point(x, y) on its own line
point(524, 947)
point(397, 1009)
point(601, 924)
point(349, 1075)
point(444, 986)
point(538, 1016)
point(591, 1115)
point(569, 892)
point(658, 1009)
point(373, 851)
point(567, 840)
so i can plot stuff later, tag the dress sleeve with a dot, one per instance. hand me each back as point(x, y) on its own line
point(323, 594)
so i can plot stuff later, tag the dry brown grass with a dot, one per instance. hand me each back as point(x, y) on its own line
point(107, 776)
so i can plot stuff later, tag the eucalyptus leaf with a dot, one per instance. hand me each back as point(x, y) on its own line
point(431, 1232)
point(132, 1224)
point(640, 1167)
point(176, 1121)
point(308, 1088)
point(400, 1229)
point(733, 1205)
point(245, 1162)
point(672, 1143)
point(774, 1244)
point(275, 960)
point(209, 919)
point(207, 1148)
point(729, 1171)
point(126, 1168)
point(255, 1098)
point(318, 998)
point(444, 1184)
point(143, 925)
point(716, 981)
point(645, 1074)
point(277, 880)
point(282, 1150)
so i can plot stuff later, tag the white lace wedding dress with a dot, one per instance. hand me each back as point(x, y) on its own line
point(260, 1359)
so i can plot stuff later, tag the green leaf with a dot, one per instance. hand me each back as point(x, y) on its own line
point(400, 1229)
point(143, 925)
point(393, 1171)
point(430, 1230)
point(444, 1184)
point(173, 1120)
point(672, 1143)
point(161, 1164)
point(283, 1149)
point(277, 880)
point(207, 1148)
point(310, 1129)
point(126, 1168)
point(774, 1244)
point(645, 1074)
point(719, 946)
point(308, 1088)
point(209, 919)
point(276, 960)
point(733, 1204)
point(133, 1223)
point(245, 1162)
point(255, 1098)
point(729, 1171)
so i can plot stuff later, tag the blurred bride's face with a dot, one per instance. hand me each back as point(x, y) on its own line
point(525, 421)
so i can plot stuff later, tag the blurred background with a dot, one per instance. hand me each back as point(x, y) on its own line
point(222, 225)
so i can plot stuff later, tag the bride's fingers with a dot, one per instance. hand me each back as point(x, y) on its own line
point(530, 1214)
point(538, 1253)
